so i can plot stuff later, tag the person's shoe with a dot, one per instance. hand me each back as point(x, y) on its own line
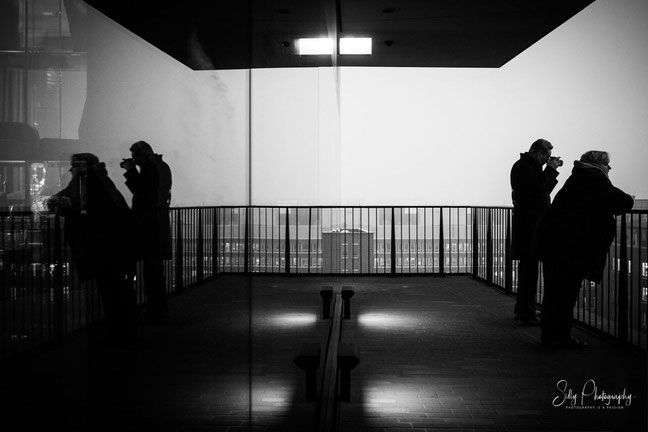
point(571, 343)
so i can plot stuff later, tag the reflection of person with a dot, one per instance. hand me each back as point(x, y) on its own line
point(573, 239)
point(531, 187)
point(151, 188)
point(97, 229)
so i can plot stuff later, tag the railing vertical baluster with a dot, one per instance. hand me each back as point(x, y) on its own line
point(287, 256)
point(424, 240)
point(4, 285)
point(258, 249)
point(179, 258)
point(475, 244)
point(392, 249)
point(400, 240)
point(215, 241)
point(200, 253)
point(441, 244)
point(360, 248)
point(392, 242)
point(246, 235)
point(489, 248)
point(631, 286)
point(508, 266)
point(641, 317)
point(622, 300)
point(417, 240)
point(58, 279)
point(310, 215)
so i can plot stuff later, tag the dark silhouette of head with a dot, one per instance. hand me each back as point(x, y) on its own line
point(141, 151)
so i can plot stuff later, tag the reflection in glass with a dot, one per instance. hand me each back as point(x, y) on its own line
point(42, 94)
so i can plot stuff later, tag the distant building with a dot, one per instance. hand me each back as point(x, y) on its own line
point(640, 204)
point(348, 251)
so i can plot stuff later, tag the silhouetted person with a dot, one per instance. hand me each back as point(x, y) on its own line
point(98, 229)
point(151, 188)
point(573, 239)
point(531, 187)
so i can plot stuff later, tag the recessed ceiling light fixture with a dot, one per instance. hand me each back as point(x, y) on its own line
point(315, 46)
point(325, 46)
point(355, 46)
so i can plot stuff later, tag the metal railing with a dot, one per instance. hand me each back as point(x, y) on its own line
point(42, 299)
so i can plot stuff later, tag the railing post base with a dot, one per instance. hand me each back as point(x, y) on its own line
point(327, 296)
point(347, 361)
point(347, 293)
point(308, 359)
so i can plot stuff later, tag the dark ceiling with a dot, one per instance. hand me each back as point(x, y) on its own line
point(206, 34)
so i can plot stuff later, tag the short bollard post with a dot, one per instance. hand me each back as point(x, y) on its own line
point(346, 297)
point(327, 295)
point(308, 359)
point(347, 361)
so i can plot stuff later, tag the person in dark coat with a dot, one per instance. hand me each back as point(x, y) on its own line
point(151, 188)
point(531, 189)
point(98, 229)
point(573, 239)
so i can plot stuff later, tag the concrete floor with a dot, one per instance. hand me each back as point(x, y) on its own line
point(435, 354)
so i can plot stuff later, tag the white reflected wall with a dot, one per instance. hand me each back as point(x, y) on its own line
point(197, 120)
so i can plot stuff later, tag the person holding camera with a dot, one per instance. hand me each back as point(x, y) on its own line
point(151, 188)
point(99, 231)
point(531, 188)
point(573, 239)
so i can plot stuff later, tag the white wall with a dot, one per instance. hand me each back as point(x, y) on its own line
point(587, 85)
point(449, 136)
point(295, 137)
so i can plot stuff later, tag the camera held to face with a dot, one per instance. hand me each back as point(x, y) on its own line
point(557, 160)
point(126, 163)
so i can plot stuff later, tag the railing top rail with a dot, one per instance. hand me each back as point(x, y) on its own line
point(641, 211)
point(342, 207)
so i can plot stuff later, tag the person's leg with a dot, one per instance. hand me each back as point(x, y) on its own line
point(154, 283)
point(527, 289)
point(572, 286)
point(548, 316)
point(568, 287)
point(126, 310)
point(107, 287)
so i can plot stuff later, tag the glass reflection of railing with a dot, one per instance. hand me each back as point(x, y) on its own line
point(42, 300)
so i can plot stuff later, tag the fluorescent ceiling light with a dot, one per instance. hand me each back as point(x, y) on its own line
point(355, 46)
point(315, 46)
